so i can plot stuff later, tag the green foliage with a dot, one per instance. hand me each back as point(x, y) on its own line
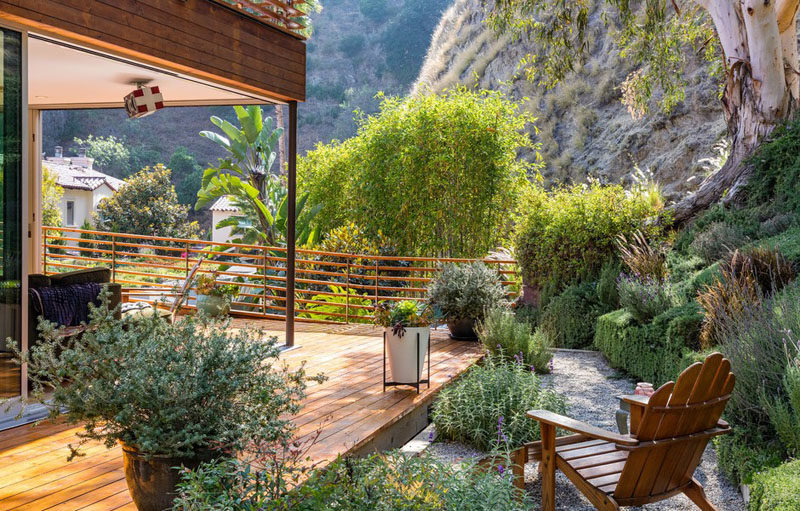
point(654, 39)
point(245, 176)
point(387, 482)
point(406, 39)
point(785, 412)
point(607, 292)
point(746, 452)
point(408, 313)
point(110, 154)
point(89, 245)
point(487, 406)
point(757, 341)
point(146, 204)
point(374, 10)
point(434, 173)
point(187, 175)
point(745, 220)
point(569, 233)
point(654, 352)
point(716, 241)
point(568, 319)
point(644, 297)
point(351, 239)
point(788, 242)
point(504, 335)
point(465, 291)
point(776, 489)
point(334, 306)
point(642, 258)
point(776, 170)
point(51, 199)
point(166, 389)
point(352, 44)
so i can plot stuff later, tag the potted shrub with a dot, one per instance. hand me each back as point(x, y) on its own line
point(462, 293)
point(213, 297)
point(401, 323)
point(171, 395)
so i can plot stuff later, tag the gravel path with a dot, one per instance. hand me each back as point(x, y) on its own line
point(591, 387)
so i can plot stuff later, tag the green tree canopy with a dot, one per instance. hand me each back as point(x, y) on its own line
point(435, 174)
point(51, 199)
point(146, 204)
point(110, 154)
point(187, 175)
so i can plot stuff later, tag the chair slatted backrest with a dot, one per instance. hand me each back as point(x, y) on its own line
point(693, 404)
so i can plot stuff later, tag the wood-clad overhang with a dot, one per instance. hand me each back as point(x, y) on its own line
point(201, 39)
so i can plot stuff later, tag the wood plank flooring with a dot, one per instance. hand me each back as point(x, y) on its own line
point(348, 410)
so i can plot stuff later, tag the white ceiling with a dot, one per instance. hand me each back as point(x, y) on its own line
point(62, 76)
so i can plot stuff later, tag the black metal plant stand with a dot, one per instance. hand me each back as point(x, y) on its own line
point(416, 384)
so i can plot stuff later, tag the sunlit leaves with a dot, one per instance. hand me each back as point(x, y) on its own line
point(656, 35)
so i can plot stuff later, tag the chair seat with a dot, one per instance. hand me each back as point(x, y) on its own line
point(599, 462)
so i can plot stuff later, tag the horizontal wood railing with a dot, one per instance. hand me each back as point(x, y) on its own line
point(331, 287)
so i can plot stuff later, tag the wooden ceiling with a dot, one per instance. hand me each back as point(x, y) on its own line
point(280, 14)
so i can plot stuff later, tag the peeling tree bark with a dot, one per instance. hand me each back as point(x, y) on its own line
point(759, 42)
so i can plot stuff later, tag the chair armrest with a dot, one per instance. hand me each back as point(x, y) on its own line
point(636, 406)
point(634, 400)
point(573, 425)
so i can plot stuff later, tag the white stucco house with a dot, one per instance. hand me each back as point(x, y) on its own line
point(83, 186)
point(220, 210)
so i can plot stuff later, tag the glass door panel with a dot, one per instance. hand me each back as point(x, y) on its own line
point(10, 208)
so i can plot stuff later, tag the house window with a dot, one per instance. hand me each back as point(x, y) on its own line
point(70, 212)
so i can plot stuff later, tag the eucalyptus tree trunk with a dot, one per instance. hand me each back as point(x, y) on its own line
point(759, 42)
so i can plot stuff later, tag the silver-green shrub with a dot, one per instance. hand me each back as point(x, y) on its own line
point(487, 406)
point(166, 389)
point(785, 412)
point(466, 291)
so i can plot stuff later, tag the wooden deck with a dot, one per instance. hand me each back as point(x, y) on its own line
point(350, 408)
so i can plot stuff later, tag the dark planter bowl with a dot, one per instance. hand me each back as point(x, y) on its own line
point(462, 329)
point(152, 482)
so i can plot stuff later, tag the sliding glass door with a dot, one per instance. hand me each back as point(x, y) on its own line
point(11, 220)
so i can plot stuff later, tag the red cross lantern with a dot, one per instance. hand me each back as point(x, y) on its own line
point(144, 101)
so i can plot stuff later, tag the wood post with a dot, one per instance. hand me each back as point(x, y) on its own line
point(548, 466)
point(347, 294)
point(290, 222)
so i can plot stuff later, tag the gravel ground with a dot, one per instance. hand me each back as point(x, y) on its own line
point(591, 387)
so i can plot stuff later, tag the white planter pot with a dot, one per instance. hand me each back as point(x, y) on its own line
point(402, 353)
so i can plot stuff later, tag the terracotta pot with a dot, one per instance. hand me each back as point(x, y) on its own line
point(402, 353)
point(152, 482)
point(462, 329)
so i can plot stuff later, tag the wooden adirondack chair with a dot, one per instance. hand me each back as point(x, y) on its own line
point(669, 432)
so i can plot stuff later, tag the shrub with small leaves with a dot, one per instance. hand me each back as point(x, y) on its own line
point(568, 319)
point(777, 224)
point(784, 411)
point(607, 292)
point(502, 334)
point(644, 297)
point(717, 241)
point(465, 291)
point(497, 393)
point(165, 389)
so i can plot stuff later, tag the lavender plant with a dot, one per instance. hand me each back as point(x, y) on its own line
point(645, 297)
point(487, 406)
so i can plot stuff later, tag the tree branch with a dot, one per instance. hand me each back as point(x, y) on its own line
point(787, 13)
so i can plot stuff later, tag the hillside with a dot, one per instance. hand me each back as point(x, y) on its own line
point(583, 127)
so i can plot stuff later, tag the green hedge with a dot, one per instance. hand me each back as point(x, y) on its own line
point(569, 318)
point(777, 489)
point(746, 452)
point(655, 352)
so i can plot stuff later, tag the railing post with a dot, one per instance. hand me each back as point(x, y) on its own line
point(264, 301)
point(377, 270)
point(44, 255)
point(186, 260)
point(113, 258)
point(347, 293)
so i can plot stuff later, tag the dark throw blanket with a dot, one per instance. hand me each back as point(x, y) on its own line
point(65, 305)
